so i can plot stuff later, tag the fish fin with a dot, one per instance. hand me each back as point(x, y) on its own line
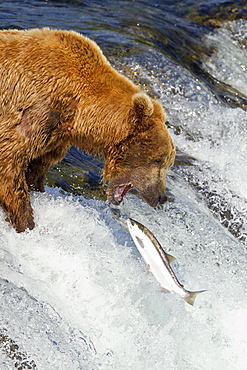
point(140, 240)
point(170, 258)
point(190, 298)
point(164, 290)
point(148, 269)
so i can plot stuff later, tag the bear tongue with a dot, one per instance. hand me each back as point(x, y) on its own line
point(120, 192)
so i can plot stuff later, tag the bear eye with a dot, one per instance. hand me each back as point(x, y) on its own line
point(158, 161)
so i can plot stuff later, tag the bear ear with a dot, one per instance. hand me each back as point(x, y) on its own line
point(142, 105)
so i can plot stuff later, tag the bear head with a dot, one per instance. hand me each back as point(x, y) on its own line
point(140, 160)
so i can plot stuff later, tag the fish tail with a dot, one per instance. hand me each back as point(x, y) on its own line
point(191, 296)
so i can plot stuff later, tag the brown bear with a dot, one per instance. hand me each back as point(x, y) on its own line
point(57, 89)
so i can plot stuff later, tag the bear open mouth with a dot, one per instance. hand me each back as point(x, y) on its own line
point(120, 191)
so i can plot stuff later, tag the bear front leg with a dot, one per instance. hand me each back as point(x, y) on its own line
point(15, 200)
point(36, 171)
point(35, 176)
point(38, 167)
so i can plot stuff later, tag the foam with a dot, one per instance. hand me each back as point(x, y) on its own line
point(81, 263)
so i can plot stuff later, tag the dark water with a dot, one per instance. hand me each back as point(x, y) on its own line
point(191, 55)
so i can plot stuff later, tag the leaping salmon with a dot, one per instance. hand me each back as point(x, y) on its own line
point(158, 261)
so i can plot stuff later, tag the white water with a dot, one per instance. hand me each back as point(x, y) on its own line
point(229, 40)
point(87, 302)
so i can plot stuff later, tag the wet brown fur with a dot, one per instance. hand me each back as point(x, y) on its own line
point(57, 90)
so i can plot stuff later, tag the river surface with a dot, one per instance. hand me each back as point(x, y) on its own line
point(73, 292)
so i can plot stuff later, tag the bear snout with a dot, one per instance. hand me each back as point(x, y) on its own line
point(162, 199)
point(153, 199)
